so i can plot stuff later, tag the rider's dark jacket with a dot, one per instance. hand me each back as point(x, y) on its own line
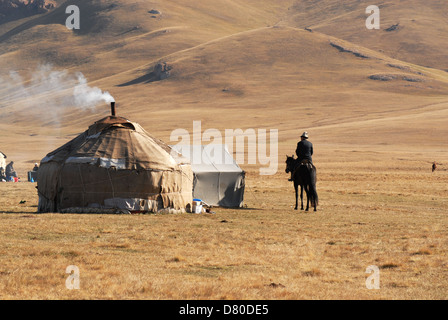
point(304, 150)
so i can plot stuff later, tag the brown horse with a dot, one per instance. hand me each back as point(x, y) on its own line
point(303, 174)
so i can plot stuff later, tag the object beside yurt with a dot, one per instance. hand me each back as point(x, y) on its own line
point(114, 166)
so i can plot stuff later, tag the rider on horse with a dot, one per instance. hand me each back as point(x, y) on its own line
point(304, 152)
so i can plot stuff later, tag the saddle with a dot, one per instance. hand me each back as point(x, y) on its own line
point(306, 162)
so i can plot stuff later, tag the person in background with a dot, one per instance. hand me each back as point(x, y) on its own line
point(36, 167)
point(10, 172)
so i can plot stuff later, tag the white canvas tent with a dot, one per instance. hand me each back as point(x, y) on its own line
point(218, 180)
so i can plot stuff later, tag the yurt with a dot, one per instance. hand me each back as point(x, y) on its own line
point(2, 160)
point(115, 166)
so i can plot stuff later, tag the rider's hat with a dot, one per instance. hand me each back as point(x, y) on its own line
point(304, 135)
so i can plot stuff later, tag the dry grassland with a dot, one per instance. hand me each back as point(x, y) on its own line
point(374, 102)
point(370, 213)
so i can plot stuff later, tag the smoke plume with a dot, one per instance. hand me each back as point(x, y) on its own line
point(55, 90)
point(85, 96)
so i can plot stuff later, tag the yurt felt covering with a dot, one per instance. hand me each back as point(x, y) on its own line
point(114, 164)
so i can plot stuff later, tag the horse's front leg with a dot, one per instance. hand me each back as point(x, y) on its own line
point(301, 197)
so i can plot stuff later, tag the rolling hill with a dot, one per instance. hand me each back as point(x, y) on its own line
point(289, 65)
point(411, 30)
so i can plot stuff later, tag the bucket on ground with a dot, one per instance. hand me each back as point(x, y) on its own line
point(197, 206)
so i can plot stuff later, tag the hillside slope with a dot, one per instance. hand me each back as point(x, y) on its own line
point(230, 64)
point(11, 10)
point(413, 30)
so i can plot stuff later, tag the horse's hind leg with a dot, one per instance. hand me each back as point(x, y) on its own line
point(297, 196)
point(301, 197)
point(307, 198)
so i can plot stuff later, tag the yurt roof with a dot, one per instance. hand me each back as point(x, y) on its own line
point(116, 142)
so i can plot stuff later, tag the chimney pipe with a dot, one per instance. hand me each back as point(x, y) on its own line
point(112, 108)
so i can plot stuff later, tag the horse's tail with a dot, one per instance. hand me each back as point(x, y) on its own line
point(313, 195)
point(313, 192)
